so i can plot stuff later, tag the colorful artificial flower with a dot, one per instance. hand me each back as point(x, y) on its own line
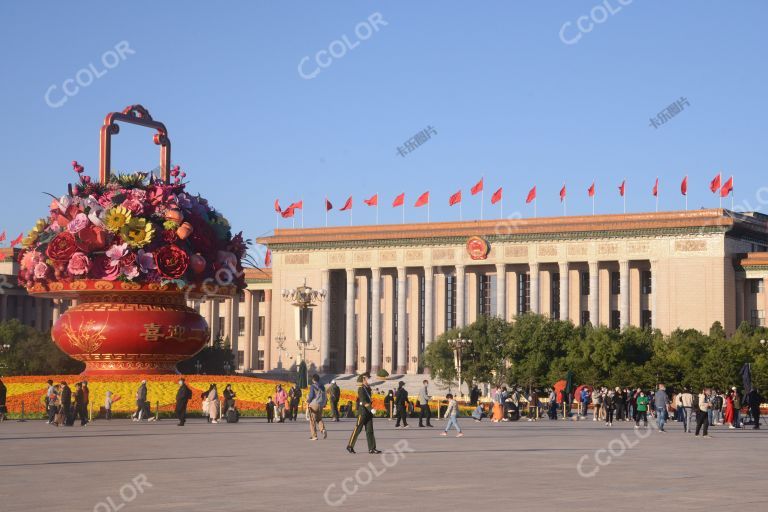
point(102, 268)
point(146, 261)
point(79, 264)
point(116, 218)
point(62, 247)
point(172, 262)
point(138, 232)
point(77, 224)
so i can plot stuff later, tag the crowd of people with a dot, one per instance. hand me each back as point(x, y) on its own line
point(63, 408)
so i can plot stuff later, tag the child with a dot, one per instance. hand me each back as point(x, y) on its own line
point(270, 410)
point(108, 404)
point(450, 413)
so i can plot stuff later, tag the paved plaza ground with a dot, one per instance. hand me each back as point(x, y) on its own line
point(252, 465)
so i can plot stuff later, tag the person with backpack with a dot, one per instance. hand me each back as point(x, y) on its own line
point(316, 403)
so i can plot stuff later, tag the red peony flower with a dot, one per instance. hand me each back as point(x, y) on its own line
point(92, 238)
point(102, 268)
point(172, 262)
point(170, 236)
point(128, 260)
point(62, 247)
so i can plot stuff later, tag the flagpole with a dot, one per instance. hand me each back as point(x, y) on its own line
point(482, 198)
point(302, 213)
point(501, 202)
point(720, 194)
point(377, 208)
point(402, 207)
point(460, 216)
point(326, 211)
point(535, 207)
point(733, 191)
point(350, 216)
point(427, 212)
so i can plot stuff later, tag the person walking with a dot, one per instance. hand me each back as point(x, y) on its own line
point(229, 398)
point(401, 405)
point(63, 403)
point(660, 402)
point(424, 405)
point(270, 406)
point(334, 394)
point(389, 404)
point(141, 398)
point(597, 404)
point(736, 407)
point(316, 403)
point(641, 410)
point(365, 414)
point(702, 414)
point(728, 416)
point(753, 400)
point(213, 403)
point(110, 399)
point(50, 401)
point(451, 413)
point(533, 406)
point(3, 394)
point(686, 404)
point(609, 405)
point(280, 399)
point(183, 395)
point(81, 406)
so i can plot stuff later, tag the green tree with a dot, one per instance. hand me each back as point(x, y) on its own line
point(26, 351)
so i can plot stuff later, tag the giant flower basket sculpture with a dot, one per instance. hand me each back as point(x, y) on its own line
point(130, 251)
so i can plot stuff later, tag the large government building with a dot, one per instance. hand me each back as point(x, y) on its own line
point(391, 289)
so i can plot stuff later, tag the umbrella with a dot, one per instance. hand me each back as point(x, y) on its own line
point(577, 391)
point(746, 378)
point(559, 386)
point(301, 376)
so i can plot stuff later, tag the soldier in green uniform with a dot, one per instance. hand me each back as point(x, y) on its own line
point(365, 413)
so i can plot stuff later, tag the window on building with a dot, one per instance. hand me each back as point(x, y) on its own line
point(585, 319)
point(240, 358)
point(646, 319)
point(221, 328)
point(260, 296)
point(524, 294)
point(757, 318)
point(484, 295)
point(262, 323)
point(241, 326)
point(259, 359)
point(615, 319)
point(450, 302)
point(615, 283)
point(646, 282)
point(585, 283)
point(756, 286)
point(554, 297)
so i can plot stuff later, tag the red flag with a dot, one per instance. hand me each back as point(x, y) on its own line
point(422, 200)
point(399, 200)
point(16, 241)
point(478, 187)
point(2, 236)
point(562, 193)
point(623, 188)
point(727, 187)
point(288, 212)
point(496, 197)
point(591, 190)
point(531, 195)
point(455, 198)
point(328, 205)
point(656, 188)
point(714, 185)
point(298, 206)
point(347, 205)
point(268, 258)
point(373, 201)
point(277, 206)
point(684, 186)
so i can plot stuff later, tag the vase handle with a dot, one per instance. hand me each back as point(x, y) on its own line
point(134, 114)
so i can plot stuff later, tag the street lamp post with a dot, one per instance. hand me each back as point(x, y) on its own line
point(280, 341)
point(304, 298)
point(458, 345)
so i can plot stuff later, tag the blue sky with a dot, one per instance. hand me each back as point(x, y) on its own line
point(508, 98)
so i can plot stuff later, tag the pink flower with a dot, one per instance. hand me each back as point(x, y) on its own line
point(79, 264)
point(134, 205)
point(77, 224)
point(146, 261)
point(30, 259)
point(41, 270)
point(106, 199)
point(138, 194)
point(116, 252)
point(130, 271)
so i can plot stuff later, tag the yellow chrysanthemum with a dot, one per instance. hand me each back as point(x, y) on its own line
point(137, 232)
point(116, 218)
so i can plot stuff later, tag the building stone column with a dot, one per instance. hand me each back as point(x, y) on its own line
point(460, 295)
point(234, 326)
point(624, 293)
point(765, 300)
point(565, 294)
point(55, 310)
point(402, 335)
point(594, 293)
point(534, 275)
point(267, 329)
point(375, 320)
point(325, 331)
point(501, 291)
point(655, 294)
point(429, 299)
point(214, 321)
point(349, 359)
point(248, 343)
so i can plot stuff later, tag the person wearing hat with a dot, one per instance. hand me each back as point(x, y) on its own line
point(334, 394)
point(365, 412)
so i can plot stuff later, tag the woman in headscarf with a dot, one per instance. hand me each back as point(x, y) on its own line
point(213, 403)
